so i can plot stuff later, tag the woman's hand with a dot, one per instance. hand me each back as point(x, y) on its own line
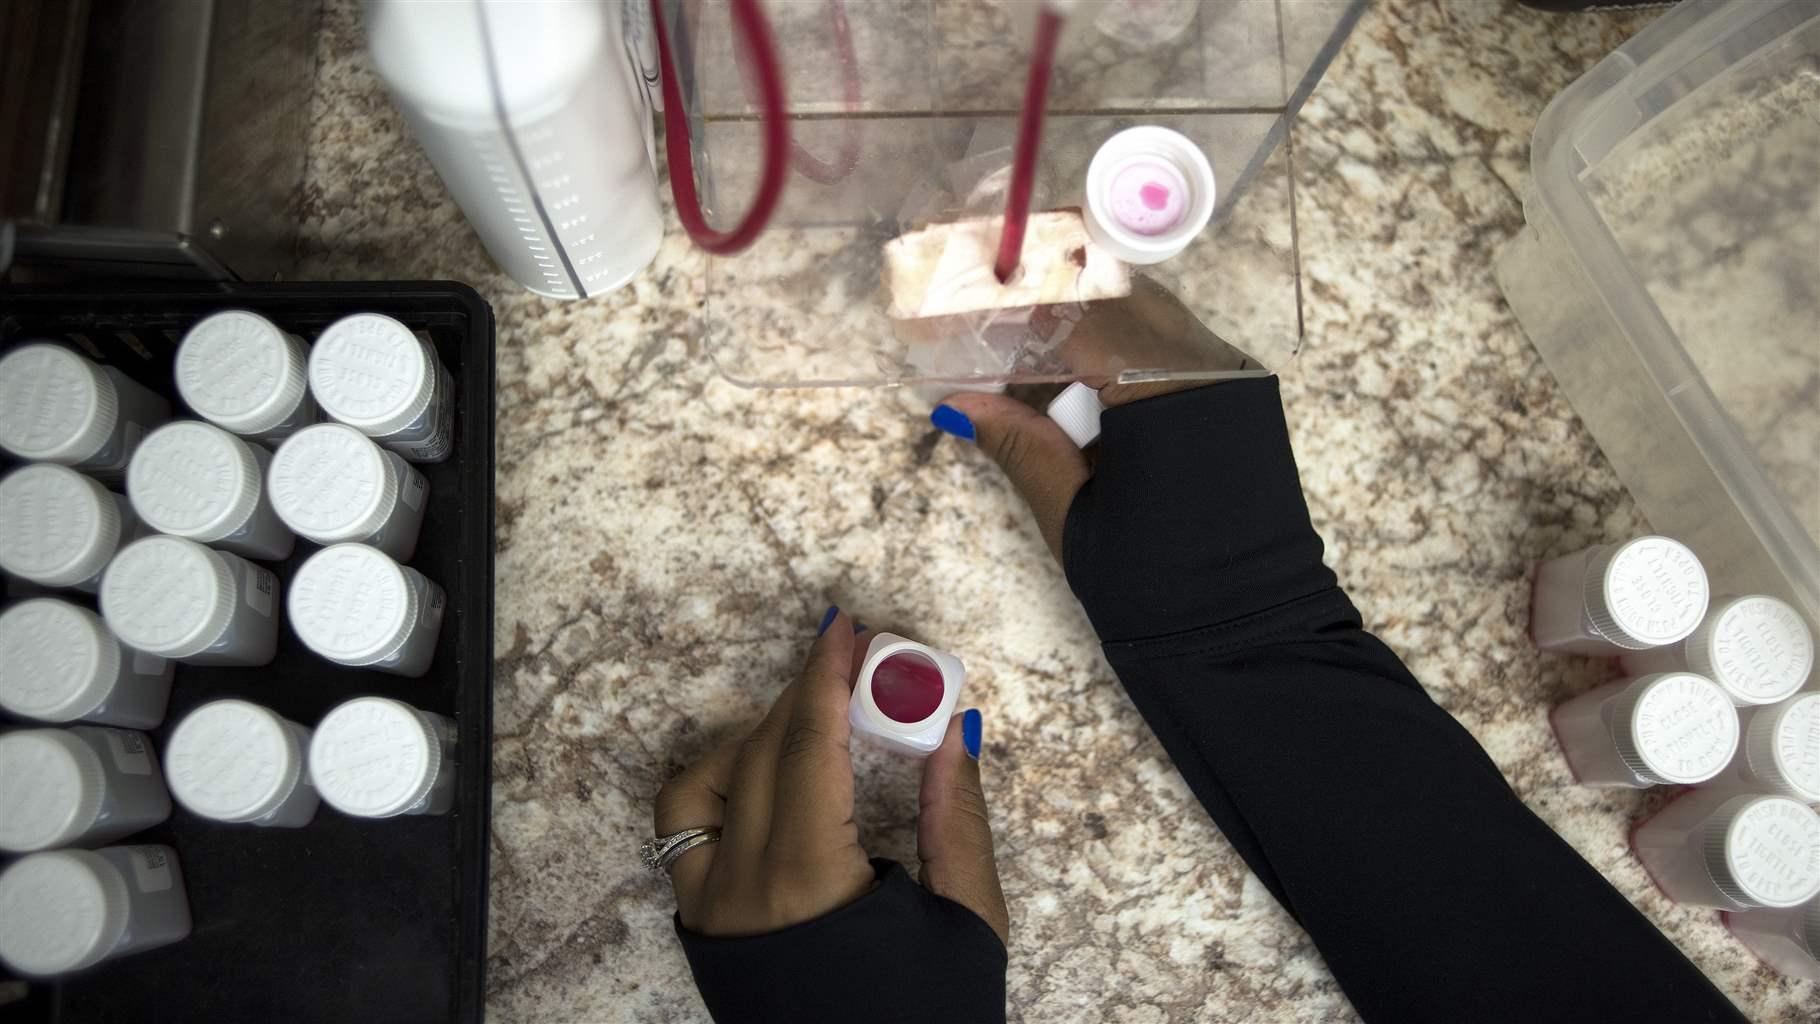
point(783, 799)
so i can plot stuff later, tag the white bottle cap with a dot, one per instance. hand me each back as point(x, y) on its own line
point(1764, 851)
point(60, 911)
point(330, 483)
point(237, 370)
point(57, 527)
point(51, 787)
point(232, 760)
point(168, 596)
point(58, 662)
point(1756, 647)
point(1674, 728)
point(193, 479)
point(55, 405)
point(370, 372)
point(373, 757)
point(1077, 411)
point(351, 604)
point(1150, 191)
point(1646, 592)
point(1782, 747)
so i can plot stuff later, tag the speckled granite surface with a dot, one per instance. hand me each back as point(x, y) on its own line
point(667, 542)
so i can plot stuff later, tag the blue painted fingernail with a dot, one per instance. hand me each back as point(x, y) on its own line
point(970, 732)
point(952, 421)
point(858, 628)
point(827, 619)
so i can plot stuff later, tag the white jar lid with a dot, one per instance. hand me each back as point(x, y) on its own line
point(1764, 851)
point(57, 527)
point(237, 370)
point(232, 760)
point(54, 404)
point(1782, 747)
point(370, 372)
point(58, 662)
point(373, 757)
point(1646, 592)
point(351, 604)
point(331, 483)
point(168, 596)
point(51, 787)
point(1674, 728)
point(1756, 647)
point(60, 911)
point(193, 479)
point(1149, 192)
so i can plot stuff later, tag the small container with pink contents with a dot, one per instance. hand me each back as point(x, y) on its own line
point(905, 694)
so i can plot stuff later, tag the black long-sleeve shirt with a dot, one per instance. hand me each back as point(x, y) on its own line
point(1368, 812)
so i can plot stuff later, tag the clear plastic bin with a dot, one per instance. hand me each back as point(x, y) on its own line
point(1670, 277)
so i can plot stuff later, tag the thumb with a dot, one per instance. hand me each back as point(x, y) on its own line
point(1042, 463)
point(953, 833)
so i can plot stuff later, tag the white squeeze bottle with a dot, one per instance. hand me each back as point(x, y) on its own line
point(538, 124)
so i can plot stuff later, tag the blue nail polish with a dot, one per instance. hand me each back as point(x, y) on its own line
point(952, 421)
point(970, 732)
point(858, 628)
point(827, 619)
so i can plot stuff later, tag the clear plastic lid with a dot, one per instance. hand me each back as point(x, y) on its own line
point(352, 604)
point(373, 757)
point(331, 483)
point(232, 760)
point(54, 404)
point(1646, 592)
point(1758, 648)
point(168, 596)
point(193, 479)
point(58, 662)
point(60, 911)
point(1764, 851)
point(372, 373)
point(1782, 747)
point(57, 527)
point(51, 785)
point(237, 370)
point(1674, 728)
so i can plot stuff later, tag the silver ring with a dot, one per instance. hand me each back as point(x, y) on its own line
point(660, 852)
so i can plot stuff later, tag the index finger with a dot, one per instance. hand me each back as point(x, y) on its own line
point(812, 805)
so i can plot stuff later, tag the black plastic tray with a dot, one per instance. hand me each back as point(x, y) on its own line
point(341, 920)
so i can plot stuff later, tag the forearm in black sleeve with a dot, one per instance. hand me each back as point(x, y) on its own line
point(1372, 815)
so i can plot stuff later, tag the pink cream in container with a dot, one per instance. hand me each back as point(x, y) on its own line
point(905, 694)
point(1150, 191)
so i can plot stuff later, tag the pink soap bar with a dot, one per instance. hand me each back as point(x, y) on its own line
point(907, 687)
point(1148, 197)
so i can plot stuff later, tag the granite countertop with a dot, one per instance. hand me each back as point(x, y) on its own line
point(667, 541)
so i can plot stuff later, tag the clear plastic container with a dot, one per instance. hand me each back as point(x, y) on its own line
point(1671, 729)
point(904, 695)
point(377, 758)
point(1613, 598)
point(240, 372)
point(1786, 939)
point(1757, 648)
point(355, 606)
point(60, 663)
point(59, 528)
point(194, 480)
point(82, 786)
point(57, 406)
point(331, 484)
point(1666, 276)
point(383, 379)
point(176, 599)
point(1734, 852)
point(65, 910)
point(1779, 752)
point(237, 762)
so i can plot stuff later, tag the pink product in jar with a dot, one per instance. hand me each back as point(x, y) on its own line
point(905, 694)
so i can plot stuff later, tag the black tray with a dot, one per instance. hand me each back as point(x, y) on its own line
point(341, 920)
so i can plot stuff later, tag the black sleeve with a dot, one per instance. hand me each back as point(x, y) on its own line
point(898, 955)
point(1370, 814)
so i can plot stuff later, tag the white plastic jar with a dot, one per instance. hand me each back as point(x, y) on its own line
point(904, 695)
point(1671, 729)
point(64, 910)
point(355, 606)
point(82, 786)
point(194, 480)
point(1780, 751)
point(1787, 939)
point(1757, 648)
point(331, 484)
point(384, 380)
point(176, 599)
point(373, 757)
point(234, 761)
point(240, 372)
point(60, 663)
point(57, 406)
point(59, 528)
point(1609, 599)
point(1734, 852)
